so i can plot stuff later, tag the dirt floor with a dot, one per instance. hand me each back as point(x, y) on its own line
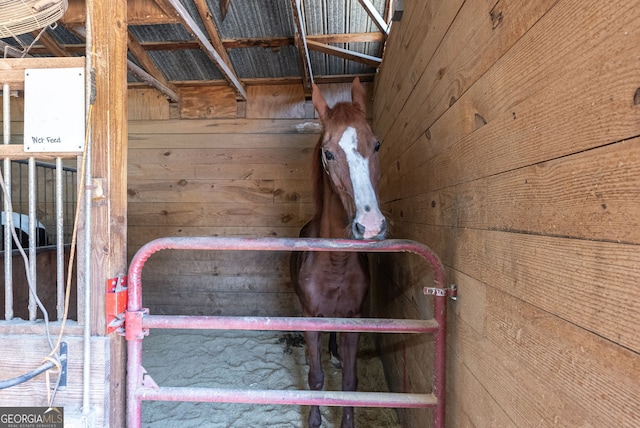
point(239, 359)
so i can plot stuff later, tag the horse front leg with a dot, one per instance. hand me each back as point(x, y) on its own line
point(316, 374)
point(348, 353)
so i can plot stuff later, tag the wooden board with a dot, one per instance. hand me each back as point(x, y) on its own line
point(27, 353)
point(147, 104)
point(247, 177)
point(275, 101)
point(207, 102)
point(510, 148)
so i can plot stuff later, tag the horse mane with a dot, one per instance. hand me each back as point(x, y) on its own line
point(318, 179)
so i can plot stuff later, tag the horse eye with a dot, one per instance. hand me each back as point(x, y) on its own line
point(377, 146)
point(328, 155)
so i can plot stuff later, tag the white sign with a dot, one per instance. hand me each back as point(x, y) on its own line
point(54, 106)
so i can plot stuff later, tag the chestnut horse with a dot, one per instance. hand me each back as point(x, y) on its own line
point(335, 284)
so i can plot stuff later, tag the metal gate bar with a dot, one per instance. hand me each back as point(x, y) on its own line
point(138, 320)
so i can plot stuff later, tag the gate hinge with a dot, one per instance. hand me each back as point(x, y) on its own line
point(451, 292)
point(116, 303)
point(133, 324)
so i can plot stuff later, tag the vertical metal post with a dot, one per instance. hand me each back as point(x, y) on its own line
point(8, 262)
point(33, 307)
point(440, 360)
point(59, 241)
point(86, 363)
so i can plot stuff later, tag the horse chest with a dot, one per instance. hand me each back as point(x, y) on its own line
point(334, 286)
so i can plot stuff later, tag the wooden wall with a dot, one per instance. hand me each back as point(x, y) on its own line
point(511, 145)
point(239, 170)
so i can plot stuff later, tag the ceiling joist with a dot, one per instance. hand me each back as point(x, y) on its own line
point(167, 90)
point(206, 45)
point(301, 44)
point(212, 31)
point(375, 17)
point(368, 60)
point(149, 72)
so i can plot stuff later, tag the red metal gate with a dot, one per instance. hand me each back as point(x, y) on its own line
point(138, 321)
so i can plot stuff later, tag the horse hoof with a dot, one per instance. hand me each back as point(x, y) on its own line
point(335, 361)
point(315, 419)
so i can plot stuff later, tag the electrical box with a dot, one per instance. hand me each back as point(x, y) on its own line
point(54, 110)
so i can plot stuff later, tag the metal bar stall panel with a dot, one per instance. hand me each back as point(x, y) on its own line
point(293, 397)
point(363, 325)
point(32, 195)
point(137, 320)
point(8, 263)
point(59, 206)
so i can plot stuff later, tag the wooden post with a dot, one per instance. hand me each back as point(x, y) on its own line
point(108, 41)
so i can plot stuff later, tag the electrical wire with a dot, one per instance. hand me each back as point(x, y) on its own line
point(4, 384)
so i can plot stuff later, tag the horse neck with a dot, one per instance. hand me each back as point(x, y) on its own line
point(331, 215)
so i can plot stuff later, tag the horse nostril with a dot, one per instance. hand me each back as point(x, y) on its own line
point(383, 229)
point(358, 229)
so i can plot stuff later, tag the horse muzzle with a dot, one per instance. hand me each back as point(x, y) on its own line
point(369, 230)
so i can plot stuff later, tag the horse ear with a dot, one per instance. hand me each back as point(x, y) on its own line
point(319, 102)
point(358, 95)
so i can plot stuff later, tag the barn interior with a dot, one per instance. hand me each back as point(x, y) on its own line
point(510, 139)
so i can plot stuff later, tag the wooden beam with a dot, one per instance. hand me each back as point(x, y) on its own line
point(156, 81)
point(301, 44)
point(149, 72)
point(208, 48)
point(12, 69)
point(108, 157)
point(375, 16)
point(265, 42)
point(239, 43)
point(168, 90)
point(51, 44)
point(337, 78)
point(212, 31)
point(369, 60)
point(224, 8)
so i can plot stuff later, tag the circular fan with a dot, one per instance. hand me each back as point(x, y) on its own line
point(23, 16)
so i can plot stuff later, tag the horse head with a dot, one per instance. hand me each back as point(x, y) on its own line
point(349, 154)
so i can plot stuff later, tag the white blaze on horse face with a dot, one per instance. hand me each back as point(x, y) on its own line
point(367, 211)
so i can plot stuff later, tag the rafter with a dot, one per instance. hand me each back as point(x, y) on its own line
point(167, 89)
point(149, 71)
point(51, 44)
point(375, 16)
point(169, 92)
point(208, 48)
point(212, 31)
point(224, 8)
point(301, 44)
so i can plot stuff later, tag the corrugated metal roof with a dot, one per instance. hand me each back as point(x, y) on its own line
point(258, 36)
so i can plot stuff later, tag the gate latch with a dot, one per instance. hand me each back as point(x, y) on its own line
point(452, 291)
point(116, 302)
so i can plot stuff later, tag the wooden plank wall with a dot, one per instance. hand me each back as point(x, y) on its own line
point(511, 145)
point(32, 347)
point(221, 175)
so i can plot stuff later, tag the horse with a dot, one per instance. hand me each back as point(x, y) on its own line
point(21, 226)
point(346, 173)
